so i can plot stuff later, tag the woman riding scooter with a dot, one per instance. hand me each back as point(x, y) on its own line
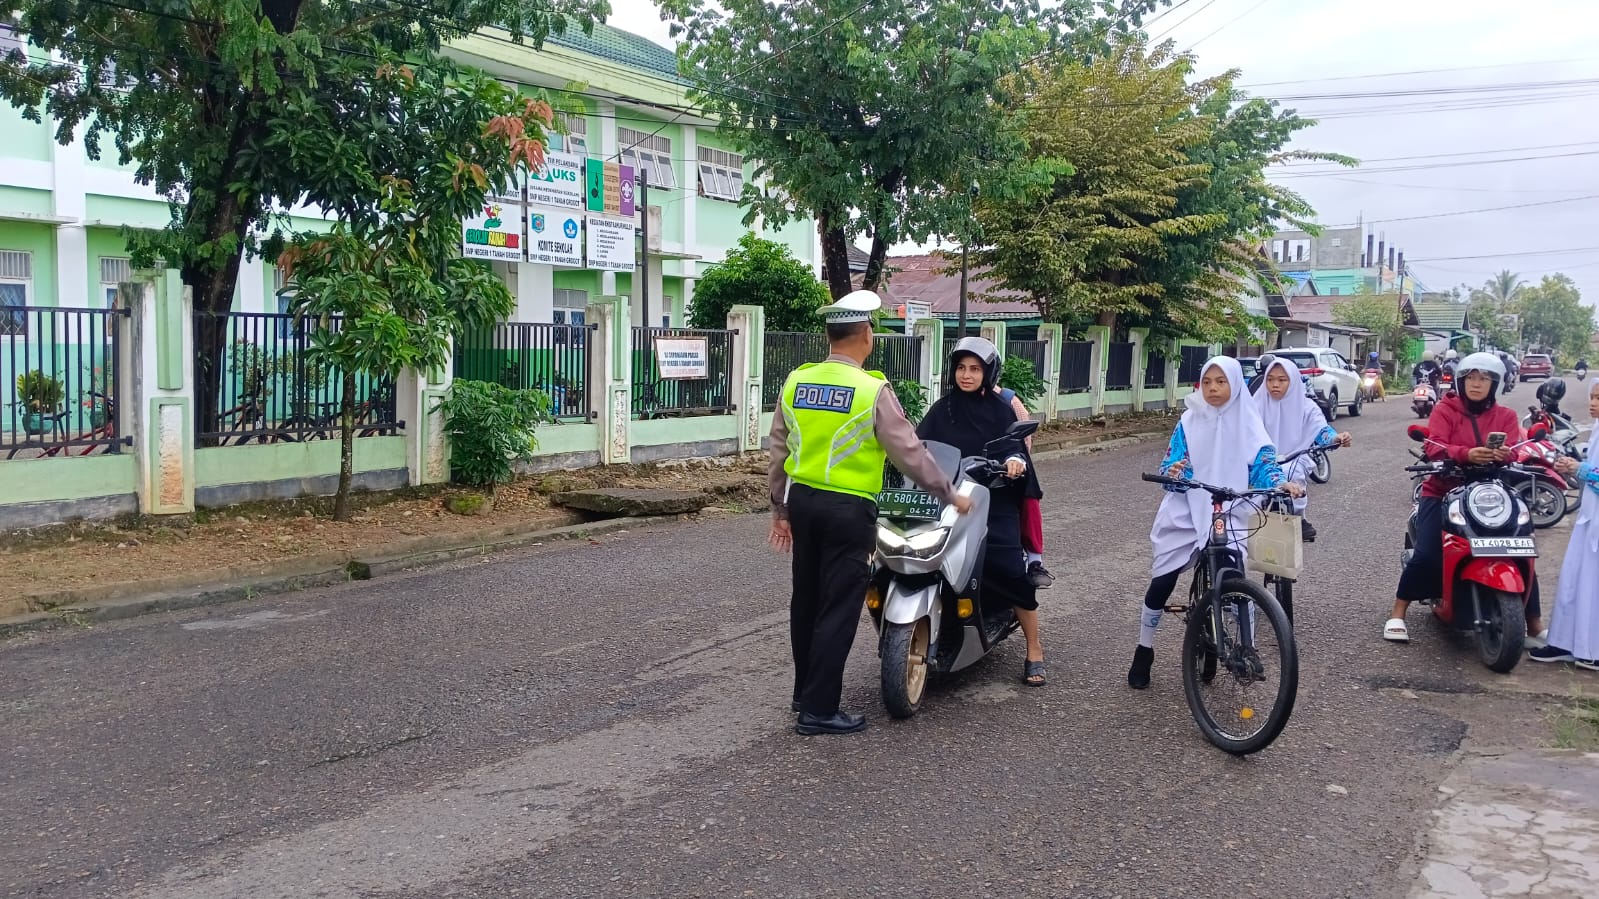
point(1461, 424)
point(969, 416)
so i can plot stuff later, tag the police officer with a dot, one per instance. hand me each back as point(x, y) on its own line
point(835, 426)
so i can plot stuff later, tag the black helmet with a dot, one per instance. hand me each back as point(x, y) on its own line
point(1552, 391)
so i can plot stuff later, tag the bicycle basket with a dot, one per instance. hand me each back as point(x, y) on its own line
point(1275, 546)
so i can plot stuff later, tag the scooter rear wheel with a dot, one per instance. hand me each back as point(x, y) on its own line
point(1545, 502)
point(1501, 628)
point(905, 651)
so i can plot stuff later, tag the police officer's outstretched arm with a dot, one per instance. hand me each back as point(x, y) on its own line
point(897, 436)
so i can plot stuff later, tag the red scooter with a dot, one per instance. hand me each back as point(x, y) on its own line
point(1544, 489)
point(1488, 554)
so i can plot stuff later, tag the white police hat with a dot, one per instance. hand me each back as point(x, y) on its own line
point(856, 306)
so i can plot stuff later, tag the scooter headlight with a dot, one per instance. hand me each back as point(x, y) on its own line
point(922, 545)
point(1489, 505)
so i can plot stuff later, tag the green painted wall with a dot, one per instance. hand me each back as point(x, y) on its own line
point(40, 240)
point(126, 211)
point(577, 279)
point(25, 139)
point(75, 477)
point(25, 200)
point(720, 225)
point(665, 431)
point(567, 438)
point(251, 463)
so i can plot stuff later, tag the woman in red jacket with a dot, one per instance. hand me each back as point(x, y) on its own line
point(1461, 422)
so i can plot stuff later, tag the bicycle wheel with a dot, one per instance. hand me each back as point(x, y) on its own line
point(1246, 704)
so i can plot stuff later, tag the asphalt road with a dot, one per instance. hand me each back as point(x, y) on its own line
point(611, 719)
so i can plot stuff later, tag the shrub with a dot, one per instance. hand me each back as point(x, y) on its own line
point(1018, 374)
point(490, 427)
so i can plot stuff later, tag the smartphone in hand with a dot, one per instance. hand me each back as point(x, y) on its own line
point(1496, 439)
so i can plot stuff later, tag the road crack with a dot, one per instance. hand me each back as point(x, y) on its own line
point(364, 752)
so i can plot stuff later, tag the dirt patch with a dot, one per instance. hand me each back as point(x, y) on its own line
point(260, 536)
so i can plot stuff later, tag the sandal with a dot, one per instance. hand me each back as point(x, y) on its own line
point(1032, 669)
point(1395, 631)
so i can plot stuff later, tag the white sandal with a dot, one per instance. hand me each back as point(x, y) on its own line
point(1395, 631)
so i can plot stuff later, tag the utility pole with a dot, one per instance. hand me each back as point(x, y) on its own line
point(644, 251)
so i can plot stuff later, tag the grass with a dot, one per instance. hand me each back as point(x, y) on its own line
point(1576, 725)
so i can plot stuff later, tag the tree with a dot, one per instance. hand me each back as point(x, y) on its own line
point(760, 273)
point(197, 94)
point(389, 271)
point(1076, 245)
point(874, 118)
point(1377, 313)
point(1499, 296)
point(1553, 316)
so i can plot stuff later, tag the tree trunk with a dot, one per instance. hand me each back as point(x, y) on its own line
point(835, 255)
point(341, 500)
point(874, 263)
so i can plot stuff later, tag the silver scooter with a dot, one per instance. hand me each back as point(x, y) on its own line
point(926, 596)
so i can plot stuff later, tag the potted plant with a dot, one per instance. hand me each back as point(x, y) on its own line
point(40, 397)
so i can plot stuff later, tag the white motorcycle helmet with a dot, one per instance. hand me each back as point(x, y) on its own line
point(1487, 363)
point(1451, 356)
point(1429, 356)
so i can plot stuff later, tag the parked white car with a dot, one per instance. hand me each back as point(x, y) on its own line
point(1333, 376)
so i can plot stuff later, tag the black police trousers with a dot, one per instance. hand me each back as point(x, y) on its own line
point(834, 534)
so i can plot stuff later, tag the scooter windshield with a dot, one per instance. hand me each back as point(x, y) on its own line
point(947, 457)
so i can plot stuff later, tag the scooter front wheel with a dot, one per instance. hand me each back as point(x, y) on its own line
point(1501, 628)
point(905, 651)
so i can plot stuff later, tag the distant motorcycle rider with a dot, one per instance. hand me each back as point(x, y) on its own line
point(1427, 370)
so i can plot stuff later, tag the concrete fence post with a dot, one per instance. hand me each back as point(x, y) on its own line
point(749, 349)
point(610, 376)
point(159, 411)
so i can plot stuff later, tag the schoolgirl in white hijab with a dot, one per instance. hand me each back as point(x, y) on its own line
point(1294, 422)
point(1574, 625)
point(1222, 441)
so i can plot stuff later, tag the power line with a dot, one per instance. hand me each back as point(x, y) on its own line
point(1442, 215)
point(1167, 33)
point(1508, 255)
point(1585, 143)
point(1447, 165)
point(1505, 65)
point(1225, 24)
point(1452, 188)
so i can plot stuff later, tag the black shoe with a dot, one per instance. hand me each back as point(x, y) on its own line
point(1040, 575)
point(1307, 531)
point(1138, 675)
point(837, 723)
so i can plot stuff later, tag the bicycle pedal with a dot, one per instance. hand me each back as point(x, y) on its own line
point(1177, 609)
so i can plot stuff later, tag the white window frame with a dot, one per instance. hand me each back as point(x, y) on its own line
point(647, 153)
point(576, 139)
point(16, 267)
point(114, 270)
point(721, 174)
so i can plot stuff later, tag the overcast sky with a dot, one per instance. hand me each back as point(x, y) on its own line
point(1495, 102)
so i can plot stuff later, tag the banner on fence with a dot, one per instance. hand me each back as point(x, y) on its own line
point(554, 236)
point(495, 234)
point(682, 358)
point(610, 244)
point(559, 183)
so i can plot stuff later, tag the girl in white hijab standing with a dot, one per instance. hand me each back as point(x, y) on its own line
point(1294, 422)
point(1220, 441)
point(1574, 624)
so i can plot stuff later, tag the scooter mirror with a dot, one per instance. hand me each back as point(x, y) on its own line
point(1021, 429)
point(1538, 431)
point(1417, 433)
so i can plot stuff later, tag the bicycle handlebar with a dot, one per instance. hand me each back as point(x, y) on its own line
point(1315, 447)
point(1219, 493)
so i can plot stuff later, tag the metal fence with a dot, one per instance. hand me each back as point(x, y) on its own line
point(529, 356)
point(1155, 369)
point(1034, 351)
point(1192, 364)
point(897, 356)
point(59, 388)
point(1119, 367)
point(1076, 366)
point(658, 396)
point(270, 388)
point(783, 352)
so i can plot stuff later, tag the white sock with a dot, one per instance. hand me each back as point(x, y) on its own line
point(1035, 557)
point(1148, 620)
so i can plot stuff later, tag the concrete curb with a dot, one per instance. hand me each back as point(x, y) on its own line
point(1091, 448)
point(91, 605)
